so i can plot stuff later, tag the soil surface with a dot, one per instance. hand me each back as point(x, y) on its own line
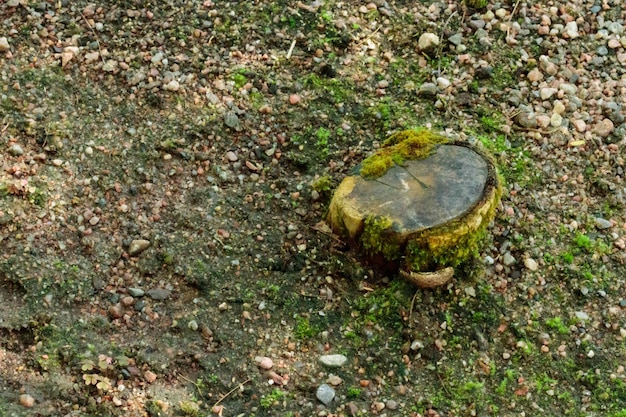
point(165, 171)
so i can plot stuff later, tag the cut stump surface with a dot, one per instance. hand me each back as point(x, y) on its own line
point(428, 213)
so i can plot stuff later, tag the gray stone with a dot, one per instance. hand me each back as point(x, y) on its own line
point(16, 150)
point(477, 24)
point(136, 292)
point(508, 259)
point(581, 315)
point(527, 120)
point(456, 39)
point(231, 120)
point(333, 361)
point(603, 223)
point(138, 246)
point(325, 394)
point(427, 90)
point(159, 293)
point(531, 264)
point(602, 51)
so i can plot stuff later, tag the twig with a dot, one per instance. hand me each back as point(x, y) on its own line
point(508, 26)
point(293, 44)
point(231, 391)
point(95, 36)
point(367, 37)
point(411, 309)
point(445, 25)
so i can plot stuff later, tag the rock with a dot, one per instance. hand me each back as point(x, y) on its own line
point(138, 246)
point(571, 30)
point(264, 362)
point(116, 311)
point(579, 125)
point(508, 259)
point(477, 24)
point(558, 107)
point(231, 120)
point(604, 128)
point(603, 224)
point(391, 404)
point(556, 120)
point(27, 400)
point(456, 39)
point(4, 44)
point(543, 121)
point(531, 264)
point(16, 150)
point(294, 99)
point(428, 42)
point(581, 315)
point(443, 83)
point(172, 86)
point(231, 156)
point(568, 88)
point(527, 120)
point(427, 90)
point(150, 376)
point(333, 361)
point(534, 75)
point(136, 292)
point(546, 92)
point(325, 393)
point(158, 293)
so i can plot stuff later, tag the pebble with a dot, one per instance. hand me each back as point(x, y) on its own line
point(158, 293)
point(427, 90)
point(136, 292)
point(172, 86)
point(534, 75)
point(602, 224)
point(428, 42)
point(16, 150)
point(508, 259)
point(231, 119)
point(294, 99)
point(325, 393)
point(546, 92)
point(392, 405)
point(531, 264)
point(556, 120)
point(558, 107)
point(333, 361)
point(443, 83)
point(569, 89)
point(231, 156)
point(27, 400)
point(571, 30)
point(138, 246)
point(4, 44)
point(527, 120)
point(579, 125)
point(264, 362)
point(581, 315)
point(604, 128)
point(150, 376)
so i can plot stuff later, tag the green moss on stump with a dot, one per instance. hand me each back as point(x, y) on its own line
point(399, 147)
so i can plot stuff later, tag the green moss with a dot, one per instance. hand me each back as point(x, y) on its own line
point(399, 147)
point(378, 238)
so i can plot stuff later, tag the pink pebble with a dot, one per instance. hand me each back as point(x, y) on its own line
point(264, 362)
point(294, 99)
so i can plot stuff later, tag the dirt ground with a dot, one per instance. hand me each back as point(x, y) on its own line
point(165, 171)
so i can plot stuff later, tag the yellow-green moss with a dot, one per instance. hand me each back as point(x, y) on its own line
point(399, 147)
point(378, 238)
point(455, 242)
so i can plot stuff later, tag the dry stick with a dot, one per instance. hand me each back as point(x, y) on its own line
point(231, 391)
point(445, 25)
point(95, 36)
point(508, 26)
point(293, 44)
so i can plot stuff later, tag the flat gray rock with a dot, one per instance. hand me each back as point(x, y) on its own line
point(333, 361)
point(325, 394)
point(159, 293)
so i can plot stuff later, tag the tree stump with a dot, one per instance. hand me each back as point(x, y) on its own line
point(421, 201)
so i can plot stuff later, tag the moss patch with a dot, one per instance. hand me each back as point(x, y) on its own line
point(399, 147)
